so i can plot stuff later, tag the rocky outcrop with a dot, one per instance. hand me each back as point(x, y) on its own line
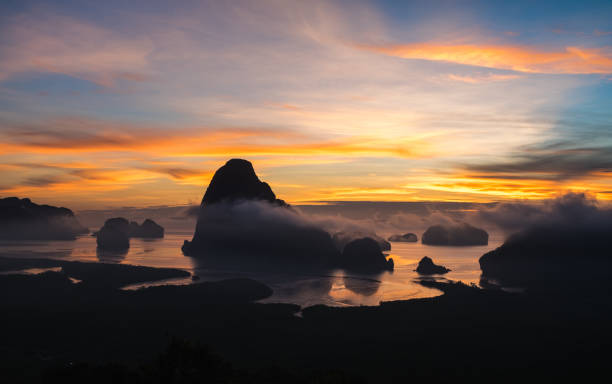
point(460, 234)
point(427, 267)
point(114, 235)
point(236, 180)
point(341, 239)
point(240, 218)
point(405, 238)
point(21, 219)
point(148, 229)
point(365, 255)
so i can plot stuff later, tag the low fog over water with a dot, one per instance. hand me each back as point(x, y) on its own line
point(335, 287)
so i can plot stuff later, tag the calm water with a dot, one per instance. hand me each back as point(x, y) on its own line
point(334, 288)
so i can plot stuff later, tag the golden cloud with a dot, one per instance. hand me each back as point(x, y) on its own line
point(571, 60)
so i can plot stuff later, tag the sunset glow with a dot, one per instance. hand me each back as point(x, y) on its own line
point(370, 101)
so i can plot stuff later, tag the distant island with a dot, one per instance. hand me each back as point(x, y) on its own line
point(460, 234)
point(405, 238)
point(116, 232)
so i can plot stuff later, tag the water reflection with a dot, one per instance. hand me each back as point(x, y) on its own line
point(111, 256)
point(361, 286)
point(298, 286)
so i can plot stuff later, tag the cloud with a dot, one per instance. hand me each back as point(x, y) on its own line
point(514, 216)
point(183, 173)
point(43, 181)
point(72, 135)
point(561, 162)
point(487, 78)
point(53, 43)
point(571, 60)
point(281, 85)
point(557, 242)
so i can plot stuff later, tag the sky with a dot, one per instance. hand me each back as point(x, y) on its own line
point(115, 103)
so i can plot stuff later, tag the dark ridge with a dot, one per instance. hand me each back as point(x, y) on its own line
point(96, 274)
point(21, 219)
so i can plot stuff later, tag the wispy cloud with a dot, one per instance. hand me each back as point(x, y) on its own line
point(74, 135)
point(570, 60)
point(52, 43)
point(483, 78)
point(562, 163)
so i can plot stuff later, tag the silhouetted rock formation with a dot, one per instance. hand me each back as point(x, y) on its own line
point(241, 218)
point(427, 267)
point(236, 180)
point(405, 238)
point(553, 253)
point(341, 239)
point(364, 255)
point(21, 219)
point(457, 234)
point(148, 229)
point(114, 235)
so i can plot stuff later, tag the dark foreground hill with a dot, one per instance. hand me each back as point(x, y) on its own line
point(62, 331)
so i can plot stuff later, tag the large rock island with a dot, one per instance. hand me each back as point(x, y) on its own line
point(459, 234)
point(572, 256)
point(241, 220)
point(21, 219)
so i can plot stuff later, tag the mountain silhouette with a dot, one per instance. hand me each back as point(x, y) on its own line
point(21, 219)
point(240, 218)
point(236, 180)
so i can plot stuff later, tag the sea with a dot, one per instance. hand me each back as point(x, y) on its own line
point(332, 288)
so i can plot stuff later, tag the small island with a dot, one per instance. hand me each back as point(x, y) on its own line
point(428, 267)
